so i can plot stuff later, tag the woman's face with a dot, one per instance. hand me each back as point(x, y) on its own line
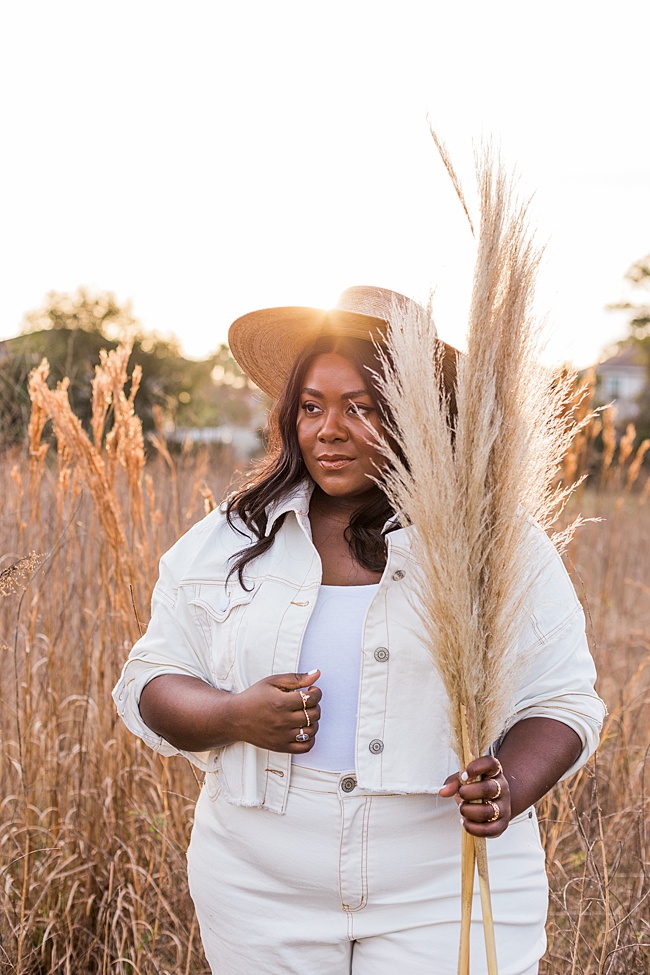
point(334, 411)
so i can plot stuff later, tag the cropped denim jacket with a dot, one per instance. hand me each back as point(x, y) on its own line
point(210, 627)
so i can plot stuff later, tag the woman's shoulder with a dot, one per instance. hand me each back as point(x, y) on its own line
point(551, 597)
point(205, 550)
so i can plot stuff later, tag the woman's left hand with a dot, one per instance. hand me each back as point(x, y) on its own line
point(483, 796)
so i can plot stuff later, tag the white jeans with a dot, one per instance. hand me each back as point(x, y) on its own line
point(348, 881)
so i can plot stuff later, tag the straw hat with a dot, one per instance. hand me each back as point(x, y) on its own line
point(266, 343)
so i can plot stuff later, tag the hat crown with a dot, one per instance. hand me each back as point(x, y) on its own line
point(379, 303)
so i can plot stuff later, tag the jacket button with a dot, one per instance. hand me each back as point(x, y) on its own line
point(349, 783)
point(381, 654)
point(376, 746)
point(399, 575)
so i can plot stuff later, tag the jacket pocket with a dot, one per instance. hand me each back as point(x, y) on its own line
point(217, 610)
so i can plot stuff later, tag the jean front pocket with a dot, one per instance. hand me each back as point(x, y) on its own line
point(522, 817)
point(527, 821)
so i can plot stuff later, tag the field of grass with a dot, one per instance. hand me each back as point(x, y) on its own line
point(94, 826)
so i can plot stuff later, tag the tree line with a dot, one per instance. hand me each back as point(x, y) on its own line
point(69, 330)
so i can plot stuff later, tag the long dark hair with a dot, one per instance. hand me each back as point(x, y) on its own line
point(283, 466)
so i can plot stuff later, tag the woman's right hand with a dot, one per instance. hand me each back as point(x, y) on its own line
point(194, 716)
point(270, 713)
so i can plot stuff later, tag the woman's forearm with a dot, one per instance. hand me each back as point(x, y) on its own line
point(534, 754)
point(188, 713)
point(195, 717)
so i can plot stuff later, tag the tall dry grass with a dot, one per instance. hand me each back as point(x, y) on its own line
point(94, 826)
point(596, 826)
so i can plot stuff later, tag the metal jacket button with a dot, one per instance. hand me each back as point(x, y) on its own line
point(399, 575)
point(349, 783)
point(381, 654)
point(376, 746)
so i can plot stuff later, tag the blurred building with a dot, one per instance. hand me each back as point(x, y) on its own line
point(621, 379)
point(244, 441)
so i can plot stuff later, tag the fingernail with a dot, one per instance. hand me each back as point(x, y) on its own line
point(310, 672)
point(464, 776)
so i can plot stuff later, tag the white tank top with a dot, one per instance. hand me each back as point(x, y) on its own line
point(332, 643)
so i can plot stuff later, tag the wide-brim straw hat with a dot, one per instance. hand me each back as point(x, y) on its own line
point(266, 343)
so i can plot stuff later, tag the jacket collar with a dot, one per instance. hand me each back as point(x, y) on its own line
point(298, 499)
point(391, 525)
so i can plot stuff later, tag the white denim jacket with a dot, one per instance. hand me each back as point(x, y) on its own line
point(217, 631)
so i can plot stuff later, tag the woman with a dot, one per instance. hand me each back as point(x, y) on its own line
point(285, 658)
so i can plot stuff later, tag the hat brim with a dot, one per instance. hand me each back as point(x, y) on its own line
point(266, 343)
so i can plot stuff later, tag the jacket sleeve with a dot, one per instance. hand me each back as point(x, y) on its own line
point(559, 680)
point(169, 646)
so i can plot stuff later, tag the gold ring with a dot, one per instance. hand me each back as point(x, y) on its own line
point(305, 698)
point(498, 792)
point(499, 770)
point(496, 811)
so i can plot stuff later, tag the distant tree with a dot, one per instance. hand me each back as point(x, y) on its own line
point(70, 329)
point(70, 352)
point(83, 311)
point(638, 275)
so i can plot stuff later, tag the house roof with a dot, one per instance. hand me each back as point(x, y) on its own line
point(628, 355)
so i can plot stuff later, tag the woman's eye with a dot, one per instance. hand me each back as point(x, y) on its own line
point(309, 408)
point(360, 409)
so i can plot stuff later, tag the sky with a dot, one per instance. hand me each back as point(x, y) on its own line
point(203, 159)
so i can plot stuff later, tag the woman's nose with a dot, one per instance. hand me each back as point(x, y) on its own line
point(332, 427)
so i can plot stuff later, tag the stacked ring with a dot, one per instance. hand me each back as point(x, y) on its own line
point(305, 698)
point(496, 812)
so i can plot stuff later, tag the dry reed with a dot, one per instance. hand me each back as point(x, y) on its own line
point(472, 492)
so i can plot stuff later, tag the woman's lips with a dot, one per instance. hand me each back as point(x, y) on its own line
point(335, 464)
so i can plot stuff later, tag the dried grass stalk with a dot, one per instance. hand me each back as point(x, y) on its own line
point(471, 489)
point(15, 577)
point(472, 492)
point(125, 443)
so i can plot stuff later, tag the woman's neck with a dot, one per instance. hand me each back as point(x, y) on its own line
point(330, 517)
point(338, 510)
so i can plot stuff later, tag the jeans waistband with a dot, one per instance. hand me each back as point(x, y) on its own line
point(322, 780)
point(334, 783)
